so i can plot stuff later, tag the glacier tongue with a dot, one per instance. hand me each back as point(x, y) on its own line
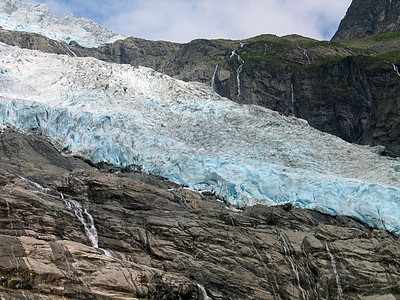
point(19, 16)
point(187, 133)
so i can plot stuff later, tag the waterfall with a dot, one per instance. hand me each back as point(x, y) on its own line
point(289, 255)
point(182, 198)
point(305, 53)
point(14, 258)
point(87, 221)
point(333, 262)
point(8, 209)
point(202, 293)
point(8, 214)
point(293, 100)
point(396, 69)
point(213, 78)
point(63, 46)
point(275, 286)
point(310, 280)
point(73, 53)
point(85, 218)
point(35, 184)
point(239, 70)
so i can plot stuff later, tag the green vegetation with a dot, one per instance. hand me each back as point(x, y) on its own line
point(271, 51)
point(390, 56)
point(377, 42)
point(328, 62)
point(260, 56)
point(270, 39)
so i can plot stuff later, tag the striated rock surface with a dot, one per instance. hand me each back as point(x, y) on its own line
point(71, 229)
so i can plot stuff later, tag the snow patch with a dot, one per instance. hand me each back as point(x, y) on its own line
point(18, 16)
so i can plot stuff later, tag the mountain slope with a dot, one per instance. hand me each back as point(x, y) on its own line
point(156, 240)
point(337, 88)
point(186, 133)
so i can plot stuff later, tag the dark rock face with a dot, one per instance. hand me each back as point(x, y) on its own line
point(371, 119)
point(336, 89)
point(157, 240)
point(35, 41)
point(368, 17)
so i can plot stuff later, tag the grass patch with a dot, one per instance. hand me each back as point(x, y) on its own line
point(390, 56)
point(260, 56)
point(270, 39)
point(375, 41)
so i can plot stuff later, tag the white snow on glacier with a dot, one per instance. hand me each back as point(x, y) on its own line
point(19, 16)
point(187, 133)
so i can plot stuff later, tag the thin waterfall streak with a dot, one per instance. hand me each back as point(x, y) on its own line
point(289, 255)
point(203, 293)
point(14, 258)
point(107, 252)
point(8, 214)
point(213, 78)
point(305, 53)
point(73, 53)
point(85, 218)
point(311, 283)
point(36, 185)
point(333, 262)
point(238, 71)
point(275, 287)
point(396, 69)
point(292, 98)
point(8, 209)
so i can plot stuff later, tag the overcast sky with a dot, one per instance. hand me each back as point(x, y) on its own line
point(185, 20)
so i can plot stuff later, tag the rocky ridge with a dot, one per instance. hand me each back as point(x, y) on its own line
point(369, 17)
point(154, 239)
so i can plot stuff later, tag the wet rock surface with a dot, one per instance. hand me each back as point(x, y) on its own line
point(153, 239)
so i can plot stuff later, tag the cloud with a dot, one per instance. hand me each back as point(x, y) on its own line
point(185, 20)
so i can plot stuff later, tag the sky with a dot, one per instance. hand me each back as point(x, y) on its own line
point(185, 20)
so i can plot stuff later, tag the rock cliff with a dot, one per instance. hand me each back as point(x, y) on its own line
point(337, 88)
point(369, 17)
point(77, 230)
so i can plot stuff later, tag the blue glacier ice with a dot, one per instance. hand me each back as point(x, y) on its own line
point(185, 132)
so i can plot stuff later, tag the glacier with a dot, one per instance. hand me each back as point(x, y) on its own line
point(30, 17)
point(187, 133)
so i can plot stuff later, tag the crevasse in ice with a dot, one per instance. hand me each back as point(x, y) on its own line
point(187, 133)
point(19, 16)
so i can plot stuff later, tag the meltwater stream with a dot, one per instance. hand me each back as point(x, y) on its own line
point(87, 221)
point(85, 218)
